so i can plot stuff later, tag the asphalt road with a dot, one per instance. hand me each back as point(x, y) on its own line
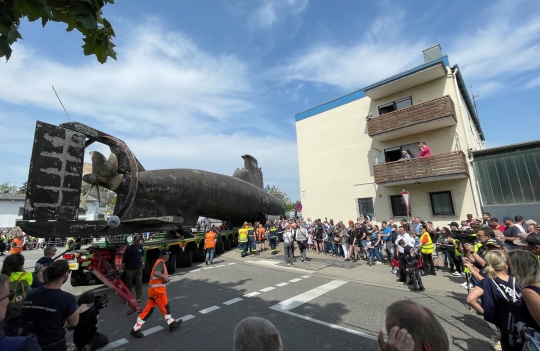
point(313, 309)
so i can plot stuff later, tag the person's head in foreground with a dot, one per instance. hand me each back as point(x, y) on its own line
point(254, 333)
point(412, 327)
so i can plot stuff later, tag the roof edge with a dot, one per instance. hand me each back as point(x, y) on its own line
point(465, 93)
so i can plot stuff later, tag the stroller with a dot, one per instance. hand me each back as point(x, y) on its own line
point(395, 265)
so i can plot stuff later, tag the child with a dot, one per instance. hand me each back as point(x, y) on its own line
point(370, 251)
point(412, 262)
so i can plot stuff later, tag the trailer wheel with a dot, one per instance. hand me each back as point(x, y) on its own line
point(227, 243)
point(235, 241)
point(148, 269)
point(187, 258)
point(178, 259)
point(200, 255)
point(220, 246)
point(78, 278)
point(171, 264)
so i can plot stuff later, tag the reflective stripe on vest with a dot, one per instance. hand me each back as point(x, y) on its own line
point(242, 235)
point(156, 284)
point(426, 248)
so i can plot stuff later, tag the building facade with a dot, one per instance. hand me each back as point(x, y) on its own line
point(509, 179)
point(348, 148)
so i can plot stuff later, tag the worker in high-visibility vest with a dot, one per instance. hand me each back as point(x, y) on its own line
point(261, 237)
point(17, 244)
point(251, 239)
point(427, 248)
point(157, 296)
point(243, 240)
point(3, 242)
point(70, 242)
point(271, 233)
point(210, 246)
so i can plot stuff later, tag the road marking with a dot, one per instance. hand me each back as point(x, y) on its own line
point(295, 280)
point(112, 345)
point(282, 284)
point(301, 299)
point(272, 262)
point(209, 309)
point(306, 276)
point(186, 318)
point(152, 330)
point(255, 293)
point(333, 326)
point(230, 302)
point(221, 265)
point(267, 289)
point(209, 268)
point(196, 270)
point(231, 263)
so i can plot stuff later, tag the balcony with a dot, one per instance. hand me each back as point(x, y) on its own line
point(415, 119)
point(452, 165)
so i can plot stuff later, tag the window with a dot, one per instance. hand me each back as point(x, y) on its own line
point(398, 206)
point(395, 105)
point(365, 206)
point(394, 153)
point(441, 203)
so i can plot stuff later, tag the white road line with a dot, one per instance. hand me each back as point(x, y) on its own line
point(196, 270)
point(231, 263)
point(152, 330)
point(114, 344)
point(230, 302)
point(186, 318)
point(221, 265)
point(272, 262)
point(268, 289)
point(295, 280)
point(209, 309)
point(282, 284)
point(333, 326)
point(255, 293)
point(301, 299)
point(209, 268)
point(306, 276)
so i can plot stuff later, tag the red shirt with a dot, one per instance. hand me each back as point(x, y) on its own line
point(425, 152)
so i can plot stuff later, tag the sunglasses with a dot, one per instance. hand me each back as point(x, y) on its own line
point(8, 296)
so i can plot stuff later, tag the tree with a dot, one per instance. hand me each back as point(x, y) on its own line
point(6, 188)
point(82, 15)
point(22, 188)
point(289, 205)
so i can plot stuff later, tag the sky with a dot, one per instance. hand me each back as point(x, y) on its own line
point(197, 84)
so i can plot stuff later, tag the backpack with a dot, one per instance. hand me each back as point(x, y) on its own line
point(20, 288)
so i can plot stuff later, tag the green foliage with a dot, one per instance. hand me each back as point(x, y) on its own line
point(6, 188)
point(82, 15)
point(289, 205)
point(22, 188)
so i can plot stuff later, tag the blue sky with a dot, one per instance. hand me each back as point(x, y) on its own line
point(199, 83)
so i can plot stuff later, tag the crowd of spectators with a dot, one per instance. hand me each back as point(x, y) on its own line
point(8, 235)
point(498, 261)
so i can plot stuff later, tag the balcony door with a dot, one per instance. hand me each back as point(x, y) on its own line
point(394, 153)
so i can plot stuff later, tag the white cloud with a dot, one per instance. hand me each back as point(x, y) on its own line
point(503, 46)
point(380, 52)
point(271, 12)
point(175, 105)
point(533, 83)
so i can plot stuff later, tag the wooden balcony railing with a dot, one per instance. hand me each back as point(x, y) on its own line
point(437, 110)
point(449, 165)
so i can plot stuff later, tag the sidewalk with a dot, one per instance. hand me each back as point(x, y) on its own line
point(330, 266)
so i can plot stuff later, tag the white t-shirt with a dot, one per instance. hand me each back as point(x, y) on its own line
point(409, 241)
point(520, 227)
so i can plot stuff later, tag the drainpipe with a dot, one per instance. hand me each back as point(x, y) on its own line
point(472, 178)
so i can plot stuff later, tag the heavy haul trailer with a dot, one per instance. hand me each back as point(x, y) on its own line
point(164, 201)
point(183, 252)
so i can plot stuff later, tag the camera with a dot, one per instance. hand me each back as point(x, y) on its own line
point(464, 236)
point(101, 301)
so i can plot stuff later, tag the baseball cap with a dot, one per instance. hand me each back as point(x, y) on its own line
point(455, 224)
point(523, 241)
point(164, 252)
point(493, 242)
point(508, 219)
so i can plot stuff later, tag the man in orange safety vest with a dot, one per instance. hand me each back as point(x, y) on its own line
point(210, 246)
point(157, 296)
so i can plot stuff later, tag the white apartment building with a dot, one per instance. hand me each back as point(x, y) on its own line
point(348, 148)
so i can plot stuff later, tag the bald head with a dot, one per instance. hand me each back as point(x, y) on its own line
point(254, 333)
point(420, 322)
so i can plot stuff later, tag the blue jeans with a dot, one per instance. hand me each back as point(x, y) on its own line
point(327, 247)
point(374, 253)
point(335, 248)
point(210, 254)
point(251, 244)
point(273, 243)
point(243, 247)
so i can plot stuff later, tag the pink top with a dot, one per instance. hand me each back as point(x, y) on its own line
point(426, 152)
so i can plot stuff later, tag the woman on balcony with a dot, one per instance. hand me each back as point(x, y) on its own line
point(405, 155)
point(424, 150)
